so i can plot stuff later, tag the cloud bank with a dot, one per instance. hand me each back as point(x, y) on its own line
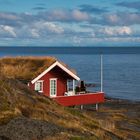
point(85, 24)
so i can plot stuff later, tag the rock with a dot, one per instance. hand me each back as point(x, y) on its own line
point(22, 128)
point(4, 138)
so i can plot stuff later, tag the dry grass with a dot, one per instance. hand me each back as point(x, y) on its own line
point(24, 67)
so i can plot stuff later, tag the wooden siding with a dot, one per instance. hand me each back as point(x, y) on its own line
point(61, 77)
point(90, 98)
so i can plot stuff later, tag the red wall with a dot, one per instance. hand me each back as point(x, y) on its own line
point(90, 98)
point(61, 81)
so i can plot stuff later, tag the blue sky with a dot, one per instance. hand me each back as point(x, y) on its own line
point(69, 23)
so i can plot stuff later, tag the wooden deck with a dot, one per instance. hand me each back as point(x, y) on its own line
point(80, 99)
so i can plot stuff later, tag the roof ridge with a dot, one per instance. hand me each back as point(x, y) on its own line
point(62, 65)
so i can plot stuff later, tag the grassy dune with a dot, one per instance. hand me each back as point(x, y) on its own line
point(24, 68)
point(26, 115)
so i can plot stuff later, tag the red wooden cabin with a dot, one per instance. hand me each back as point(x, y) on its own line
point(58, 82)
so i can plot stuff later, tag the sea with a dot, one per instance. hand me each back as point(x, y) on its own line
point(121, 66)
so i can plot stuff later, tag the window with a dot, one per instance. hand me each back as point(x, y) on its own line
point(39, 86)
point(53, 87)
point(69, 85)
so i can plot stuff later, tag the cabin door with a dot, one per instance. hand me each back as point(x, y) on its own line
point(53, 87)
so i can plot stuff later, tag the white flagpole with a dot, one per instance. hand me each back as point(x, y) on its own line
point(101, 73)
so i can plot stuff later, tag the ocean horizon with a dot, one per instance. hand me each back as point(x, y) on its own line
point(36, 50)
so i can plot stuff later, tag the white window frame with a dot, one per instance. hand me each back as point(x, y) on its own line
point(39, 81)
point(55, 87)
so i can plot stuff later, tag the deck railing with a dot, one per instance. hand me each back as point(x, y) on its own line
point(80, 99)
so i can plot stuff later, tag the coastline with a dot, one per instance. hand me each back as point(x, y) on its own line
point(116, 99)
point(119, 116)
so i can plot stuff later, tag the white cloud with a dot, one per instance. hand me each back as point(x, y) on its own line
point(115, 31)
point(65, 15)
point(121, 40)
point(38, 30)
point(52, 27)
point(80, 16)
point(125, 30)
point(7, 30)
point(48, 27)
point(77, 40)
point(58, 14)
point(113, 18)
point(120, 18)
point(8, 16)
point(34, 33)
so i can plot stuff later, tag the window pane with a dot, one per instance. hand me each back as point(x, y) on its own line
point(38, 86)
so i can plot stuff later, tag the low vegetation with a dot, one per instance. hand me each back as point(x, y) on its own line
point(27, 115)
point(24, 68)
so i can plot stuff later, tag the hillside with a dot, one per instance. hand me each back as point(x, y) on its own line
point(24, 68)
point(26, 115)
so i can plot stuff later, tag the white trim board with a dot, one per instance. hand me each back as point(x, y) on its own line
point(51, 67)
